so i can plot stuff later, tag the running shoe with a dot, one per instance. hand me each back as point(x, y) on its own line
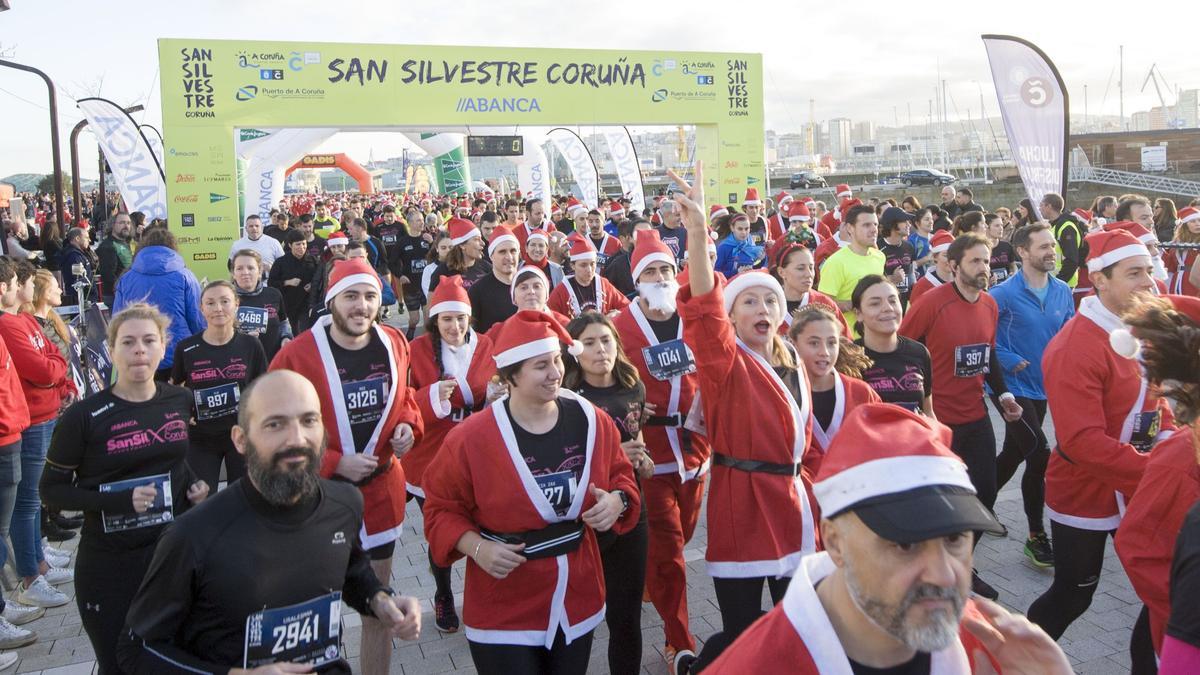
point(982, 588)
point(55, 533)
point(8, 660)
point(679, 662)
point(1039, 551)
point(59, 575)
point(50, 550)
point(40, 594)
point(12, 637)
point(67, 522)
point(19, 615)
point(410, 334)
point(445, 616)
point(56, 560)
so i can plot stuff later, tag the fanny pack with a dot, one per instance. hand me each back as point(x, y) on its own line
point(755, 465)
point(550, 541)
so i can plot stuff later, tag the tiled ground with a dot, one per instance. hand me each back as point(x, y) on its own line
point(1097, 643)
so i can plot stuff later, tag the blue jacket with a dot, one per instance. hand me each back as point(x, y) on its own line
point(733, 254)
point(1024, 328)
point(159, 277)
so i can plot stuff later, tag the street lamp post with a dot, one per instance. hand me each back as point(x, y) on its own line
point(56, 156)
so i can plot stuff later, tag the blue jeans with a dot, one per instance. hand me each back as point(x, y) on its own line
point(26, 530)
point(10, 476)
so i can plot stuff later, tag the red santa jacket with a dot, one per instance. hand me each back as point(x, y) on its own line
point(1100, 403)
point(522, 231)
point(479, 479)
point(818, 298)
point(673, 397)
point(759, 524)
point(608, 298)
point(926, 283)
point(1146, 538)
point(849, 393)
point(384, 495)
point(777, 226)
point(442, 416)
point(798, 632)
point(1179, 264)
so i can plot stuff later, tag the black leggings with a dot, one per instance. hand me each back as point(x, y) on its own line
point(105, 583)
point(206, 454)
point(740, 602)
point(1024, 441)
point(1078, 559)
point(975, 443)
point(624, 558)
point(1141, 647)
point(560, 659)
point(441, 575)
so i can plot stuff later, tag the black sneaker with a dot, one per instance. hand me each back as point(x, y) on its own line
point(410, 334)
point(445, 616)
point(67, 522)
point(53, 532)
point(1039, 551)
point(982, 588)
point(683, 662)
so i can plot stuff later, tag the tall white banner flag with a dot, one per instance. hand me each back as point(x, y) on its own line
point(135, 169)
point(580, 162)
point(620, 144)
point(1033, 104)
point(268, 153)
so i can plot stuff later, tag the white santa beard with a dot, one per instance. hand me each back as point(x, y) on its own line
point(659, 295)
point(1160, 270)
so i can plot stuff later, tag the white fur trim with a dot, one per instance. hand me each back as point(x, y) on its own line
point(939, 248)
point(1188, 219)
point(888, 476)
point(1124, 343)
point(352, 280)
point(752, 280)
point(466, 237)
point(802, 219)
point(537, 234)
point(500, 240)
point(1117, 255)
point(527, 351)
point(450, 306)
point(586, 255)
point(657, 256)
point(752, 202)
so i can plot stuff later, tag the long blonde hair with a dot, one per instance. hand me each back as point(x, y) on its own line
point(41, 285)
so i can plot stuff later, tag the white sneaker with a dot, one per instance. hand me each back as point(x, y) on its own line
point(59, 575)
point(12, 637)
point(40, 594)
point(19, 615)
point(50, 550)
point(56, 561)
point(8, 660)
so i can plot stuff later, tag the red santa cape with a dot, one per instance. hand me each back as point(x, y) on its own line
point(480, 479)
point(798, 632)
point(384, 495)
point(564, 300)
point(442, 416)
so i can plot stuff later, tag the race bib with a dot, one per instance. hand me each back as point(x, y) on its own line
point(1145, 430)
point(308, 632)
point(971, 360)
point(559, 489)
point(158, 513)
point(218, 401)
point(1000, 274)
point(418, 265)
point(905, 283)
point(389, 238)
point(252, 320)
point(669, 359)
point(365, 399)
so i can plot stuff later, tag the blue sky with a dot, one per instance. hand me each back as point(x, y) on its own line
point(867, 59)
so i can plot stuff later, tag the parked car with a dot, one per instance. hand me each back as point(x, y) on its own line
point(806, 180)
point(926, 177)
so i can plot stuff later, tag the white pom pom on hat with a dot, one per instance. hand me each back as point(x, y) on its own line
point(1124, 343)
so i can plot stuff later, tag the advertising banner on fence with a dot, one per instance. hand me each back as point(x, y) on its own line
point(212, 88)
point(134, 167)
point(1033, 104)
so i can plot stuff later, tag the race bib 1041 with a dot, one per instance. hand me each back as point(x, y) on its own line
point(669, 359)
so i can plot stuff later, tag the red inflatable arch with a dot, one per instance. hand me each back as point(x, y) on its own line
point(338, 161)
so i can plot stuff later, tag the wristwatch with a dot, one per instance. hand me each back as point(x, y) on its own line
point(624, 500)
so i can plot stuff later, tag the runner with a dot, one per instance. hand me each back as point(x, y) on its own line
point(619, 269)
point(672, 232)
point(1184, 264)
point(898, 253)
point(795, 270)
point(760, 517)
point(843, 269)
point(120, 457)
point(606, 245)
point(530, 291)
point(605, 377)
point(901, 370)
point(1033, 307)
point(268, 248)
point(260, 312)
point(521, 488)
point(452, 368)
point(292, 276)
point(216, 365)
point(1100, 455)
point(492, 295)
point(360, 369)
point(752, 207)
point(891, 592)
point(737, 252)
point(957, 323)
point(408, 258)
point(465, 257)
point(1004, 254)
point(198, 609)
point(650, 329)
point(537, 253)
point(584, 290)
point(437, 253)
point(938, 273)
point(833, 365)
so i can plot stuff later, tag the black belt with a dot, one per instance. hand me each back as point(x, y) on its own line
point(380, 469)
point(756, 466)
point(674, 420)
point(550, 541)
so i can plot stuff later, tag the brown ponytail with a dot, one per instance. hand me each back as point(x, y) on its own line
point(1170, 352)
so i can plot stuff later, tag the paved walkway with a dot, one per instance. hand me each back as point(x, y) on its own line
point(1097, 643)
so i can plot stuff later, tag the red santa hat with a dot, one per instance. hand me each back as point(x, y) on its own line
point(751, 197)
point(798, 211)
point(537, 234)
point(649, 248)
point(782, 199)
point(500, 235)
point(521, 272)
point(1187, 214)
point(347, 273)
point(337, 239)
point(615, 209)
point(753, 279)
point(574, 206)
point(529, 334)
point(940, 241)
point(656, 219)
point(896, 471)
point(808, 200)
point(450, 296)
point(842, 190)
point(1083, 215)
point(1109, 247)
point(582, 248)
point(716, 211)
point(1138, 230)
point(461, 231)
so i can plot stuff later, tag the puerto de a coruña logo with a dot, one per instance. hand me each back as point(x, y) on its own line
point(247, 93)
point(659, 95)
